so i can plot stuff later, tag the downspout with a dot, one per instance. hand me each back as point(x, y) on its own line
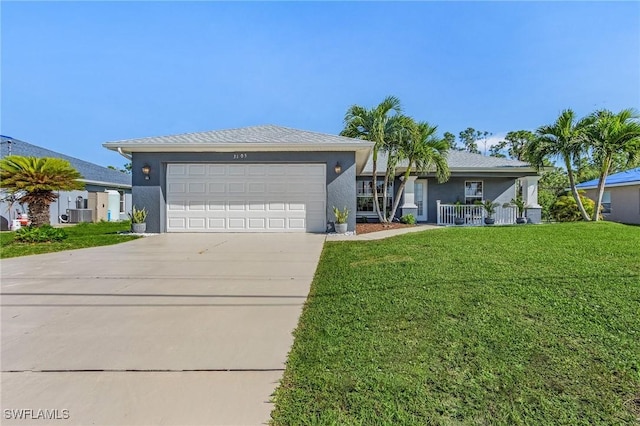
point(127, 156)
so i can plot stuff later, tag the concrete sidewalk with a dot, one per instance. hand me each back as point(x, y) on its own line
point(170, 329)
point(382, 234)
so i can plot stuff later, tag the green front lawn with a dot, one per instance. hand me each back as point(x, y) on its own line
point(80, 236)
point(491, 325)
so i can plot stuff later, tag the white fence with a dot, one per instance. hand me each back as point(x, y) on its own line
point(473, 214)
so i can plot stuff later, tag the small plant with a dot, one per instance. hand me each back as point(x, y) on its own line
point(138, 215)
point(518, 203)
point(490, 208)
point(40, 234)
point(408, 219)
point(341, 216)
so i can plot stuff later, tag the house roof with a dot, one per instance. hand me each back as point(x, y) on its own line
point(252, 139)
point(461, 161)
point(91, 173)
point(626, 178)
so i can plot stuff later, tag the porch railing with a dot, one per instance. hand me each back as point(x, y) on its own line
point(472, 214)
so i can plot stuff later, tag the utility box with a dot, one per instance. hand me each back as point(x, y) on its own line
point(98, 205)
point(113, 205)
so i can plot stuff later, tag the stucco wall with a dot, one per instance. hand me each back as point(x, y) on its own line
point(498, 189)
point(625, 203)
point(151, 193)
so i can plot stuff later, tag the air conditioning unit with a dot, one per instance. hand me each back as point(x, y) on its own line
point(79, 215)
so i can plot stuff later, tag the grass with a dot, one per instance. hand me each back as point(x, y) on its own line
point(80, 236)
point(513, 325)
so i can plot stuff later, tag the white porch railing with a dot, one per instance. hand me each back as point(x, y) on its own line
point(472, 214)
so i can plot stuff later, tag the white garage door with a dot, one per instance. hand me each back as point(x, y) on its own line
point(246, 198)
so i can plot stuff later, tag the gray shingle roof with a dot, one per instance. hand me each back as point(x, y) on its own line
point(458, 160)
point(267, 134)
point(89, 171)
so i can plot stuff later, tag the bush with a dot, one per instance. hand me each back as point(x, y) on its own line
point(565, 209)
point(40, 234)
point(408, 219)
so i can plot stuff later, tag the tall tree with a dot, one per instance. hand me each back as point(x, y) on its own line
point(450, 139)
point(423, 152)
point(375, 125)
point(468, 137)
point(33, 181)
point(517, 143)
point(565, 139)
point(609, 135)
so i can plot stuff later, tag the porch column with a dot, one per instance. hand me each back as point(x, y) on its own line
point(530, 198)
point(409, 206)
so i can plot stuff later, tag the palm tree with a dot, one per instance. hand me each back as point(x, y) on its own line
point(566, 139)
point(375, 125)
point(423, 150)
point(609, 135)
point(33, 181)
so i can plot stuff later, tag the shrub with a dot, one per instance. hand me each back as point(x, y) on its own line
point(409, 219)
point(40, 234)
point(565, 209)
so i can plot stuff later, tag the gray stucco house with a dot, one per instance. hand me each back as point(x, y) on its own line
point(277, 179)
point(102, 185)
point(621, 197)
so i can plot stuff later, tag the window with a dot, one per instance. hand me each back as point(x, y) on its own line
point(472, 191)
point(365, 195)
point(606, 202)
point(122, 202)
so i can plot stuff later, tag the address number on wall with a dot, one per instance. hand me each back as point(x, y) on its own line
point(240, 156)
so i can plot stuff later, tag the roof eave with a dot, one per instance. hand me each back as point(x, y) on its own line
point(102, 183)
point(505, 170)
point(612, 185)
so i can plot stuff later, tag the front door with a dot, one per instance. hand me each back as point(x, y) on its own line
point(420, 188)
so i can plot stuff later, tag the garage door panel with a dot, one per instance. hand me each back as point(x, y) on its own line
point(217, 206)
point(177, 188)
point(277, 223)
point(236, 223)
point(177, 170)
point(246, 198)
point(258, 223)
point(196, 188)
point(257, 206)
point(179, 206)
point(237, 170)
point(197, 205)
point(217, 188)
point(197, 170)
point(196, 222)
point(217, 223)
point(178, 223)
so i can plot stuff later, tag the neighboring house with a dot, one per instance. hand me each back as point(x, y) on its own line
point(93, 203)
point(277, 179)
point(621, 197)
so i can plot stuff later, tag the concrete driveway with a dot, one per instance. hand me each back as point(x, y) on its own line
point(170, 329)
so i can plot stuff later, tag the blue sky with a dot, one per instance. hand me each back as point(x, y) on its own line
point(76, 75)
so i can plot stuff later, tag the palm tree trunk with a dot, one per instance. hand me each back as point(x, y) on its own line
point(603, 177)
point(384, 196)
point(403, 184)
point(574, 191)
point(39, 212)
point(374, 178)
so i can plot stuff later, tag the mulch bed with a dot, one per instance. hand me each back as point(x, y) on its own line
point(366, 228)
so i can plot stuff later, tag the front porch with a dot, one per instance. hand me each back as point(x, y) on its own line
point(472, 215)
